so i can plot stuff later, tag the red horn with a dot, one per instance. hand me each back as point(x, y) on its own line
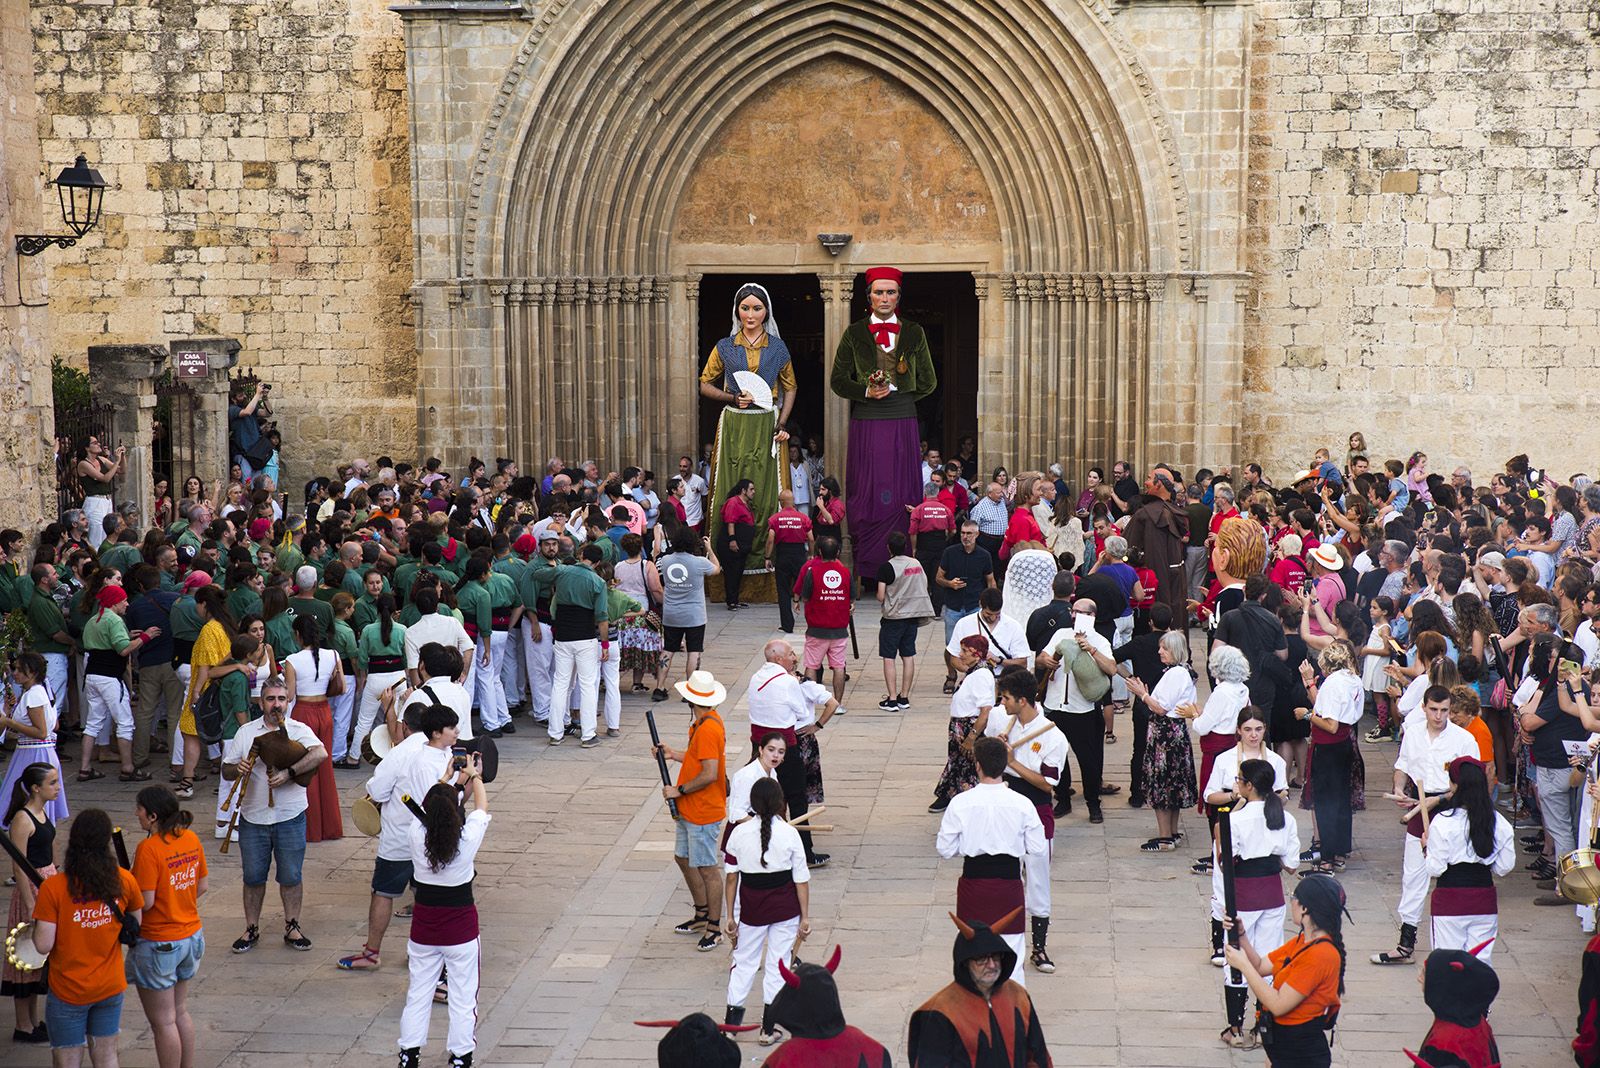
point(1005, 921)
point(788, 977)
point(1414, 1058)
point(1480, 947)
point(966, 929)
point(833, 961)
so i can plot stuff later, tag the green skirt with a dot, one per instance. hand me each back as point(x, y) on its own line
point(744, 449)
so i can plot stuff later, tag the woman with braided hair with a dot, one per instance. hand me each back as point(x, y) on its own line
point(1299, 984)
point(766, 869)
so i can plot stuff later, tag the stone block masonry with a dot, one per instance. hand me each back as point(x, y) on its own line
point(257, 157)
point(1423, 231)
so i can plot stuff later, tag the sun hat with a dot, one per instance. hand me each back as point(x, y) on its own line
point(702, 688)
point(1328, 557)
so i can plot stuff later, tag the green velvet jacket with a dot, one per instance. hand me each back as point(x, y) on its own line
point(856, 359)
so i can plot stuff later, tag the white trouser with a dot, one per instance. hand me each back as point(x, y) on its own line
point(1413, 882)
point(1124, 631)
point(1586, 913)
point(425, 964)
point(1019, 946)
point(776, 941)
point(491, 695)
point(106, 701)
point(1036, 882)
point(1263, 927)
point(583, 659)
point(102, 735)
point(610, 675)
point(342, 706)
point(540, 657)
point(95, 510)
point(57, 677)
point(514, 666)
point(1466, 932)
point(185, 673)
point(367, 711)
point(469, 681)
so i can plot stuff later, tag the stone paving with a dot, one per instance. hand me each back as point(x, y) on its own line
point(578, 893)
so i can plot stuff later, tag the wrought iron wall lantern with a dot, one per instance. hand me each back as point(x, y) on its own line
point(81, 191)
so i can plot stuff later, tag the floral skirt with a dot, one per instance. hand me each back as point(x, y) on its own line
point(811, 753)
point(960, 771)
point(1169, 765)
point(1358, 778)
point(641, 643)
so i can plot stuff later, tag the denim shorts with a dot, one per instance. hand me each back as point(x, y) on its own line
point(163, 965)
point(71, 1026)
point(699, 843)
point(897, 637)
point(391, 877)
point(260, 844)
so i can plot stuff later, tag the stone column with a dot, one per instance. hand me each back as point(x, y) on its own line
point(836, 289)
point(124, 376)
point(211, 452)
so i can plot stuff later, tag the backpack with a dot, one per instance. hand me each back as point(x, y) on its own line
point(207, 711)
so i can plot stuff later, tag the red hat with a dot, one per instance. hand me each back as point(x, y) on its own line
point(260, 528)
point(891, 273)
point(526, 545)
point(194, 580)
point(1459, 762)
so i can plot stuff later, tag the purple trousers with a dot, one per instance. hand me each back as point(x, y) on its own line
point(882, 479)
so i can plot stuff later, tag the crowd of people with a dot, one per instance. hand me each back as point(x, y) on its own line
point(1360, 611)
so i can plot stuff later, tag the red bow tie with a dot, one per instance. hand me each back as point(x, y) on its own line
point(883, 333)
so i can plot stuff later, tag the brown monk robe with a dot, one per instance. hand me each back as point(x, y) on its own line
point(1160, 529)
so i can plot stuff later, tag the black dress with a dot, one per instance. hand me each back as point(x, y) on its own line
point(1290, 694)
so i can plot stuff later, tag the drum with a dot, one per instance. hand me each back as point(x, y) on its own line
point(20, 950)
point(367, 816)
point(1578, 878)
point(376, 745)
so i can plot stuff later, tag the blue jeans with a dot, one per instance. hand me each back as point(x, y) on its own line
point(163, 965)
point(71, 1026)
point(262, 843)
point(952, 616)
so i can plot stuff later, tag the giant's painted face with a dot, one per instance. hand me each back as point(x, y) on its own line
point(884, 296)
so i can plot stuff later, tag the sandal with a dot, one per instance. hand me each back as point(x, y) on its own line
point(134, 776)
point(949, 686)
point(184, 790)
point(91, 775)
point(1111, 738)
point(658, 695)
point(365, 961)
point(403, 914)
point(1158, 845)
point(247, 941)
point(295, 938)
point(441, 991)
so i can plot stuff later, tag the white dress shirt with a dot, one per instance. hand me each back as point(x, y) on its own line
point(1062, 693)
point(1221, 712)
point(991, 819)
point(1175, 689)
point(460, 871)
point(740, 783)
point(975, 695)
point(449, 693)
point(288, 800)
point(410, 769)
point(1046, 754)
point(446, 630)
point(1226, 767)
point(1426, 758)
point(774, 698)
point(1450, 842)
point(1341, 698)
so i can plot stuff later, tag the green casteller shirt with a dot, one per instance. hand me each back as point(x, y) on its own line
point(344, 641)
point(280, 635)
point(537, 584)
point(318, 610)
point(243, 601)
point(9, 590)
point(607, 547)
point(291, 560)
point(411, 613)
point(122, 556)
point(44, 621)
point(404, 576)
point(189, 538)
point(355, 580)
point(509, 566)
point(366, 611)
point(502, 593)
point(233, 691)
point(168, 583)
point(185, 619)
point(105, 630)
point(619, 604)
point(473, 600)
point(371, 643)
point(579, 587)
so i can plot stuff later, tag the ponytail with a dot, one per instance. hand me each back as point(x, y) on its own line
point(385, 616)
point(1261, 777)
point(161, 803)
point(766, 801)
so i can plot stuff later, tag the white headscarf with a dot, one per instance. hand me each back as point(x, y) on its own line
point(760, 292)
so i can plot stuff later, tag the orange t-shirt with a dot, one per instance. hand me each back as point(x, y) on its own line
point(1315, 973)
point(86, 963)
point(1480, 731)
point(707, 741)
point(172, 867)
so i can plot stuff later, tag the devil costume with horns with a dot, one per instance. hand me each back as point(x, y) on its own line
point(1459, 988)
point(808, 1009)
point(960, 1028)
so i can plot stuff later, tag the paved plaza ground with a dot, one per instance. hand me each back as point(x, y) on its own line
point(578, 893)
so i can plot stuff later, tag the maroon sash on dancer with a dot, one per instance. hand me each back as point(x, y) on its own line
point(990, 887)
point(1465, 890)
point(1258, 886)
point(1210, 746)
point(766, 898)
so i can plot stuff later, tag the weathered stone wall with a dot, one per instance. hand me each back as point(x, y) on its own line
point(257, 157)
point(1423, 231)
point(26, 450)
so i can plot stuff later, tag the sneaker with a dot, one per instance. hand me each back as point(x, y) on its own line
point(575, 729)
point(939, 804)
point(1201, 866)
point(557, 740)
point(889, 704)
point(691, 925)
point(1217, 959)
point(508, 728)
point(247, 941)
point(1375, 735)
point(1062, 808)
point(497, 732)
point(295, 938)
point(819, 860)
point(612, 732)
point(1551, 899)
point(904, 702)
point(411, 1057)
point(459, 1060)
point(589, 742)
point(1311, 856)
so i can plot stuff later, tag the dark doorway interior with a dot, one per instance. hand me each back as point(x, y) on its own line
point(945, 303)
point(797, 305)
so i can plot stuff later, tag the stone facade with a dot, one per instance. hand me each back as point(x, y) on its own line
point(1424, 227)
point(26, 420)
point(256, 153)
point(1209, 232)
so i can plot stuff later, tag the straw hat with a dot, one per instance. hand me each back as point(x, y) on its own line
point(702, 688)
point(1328, 557)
